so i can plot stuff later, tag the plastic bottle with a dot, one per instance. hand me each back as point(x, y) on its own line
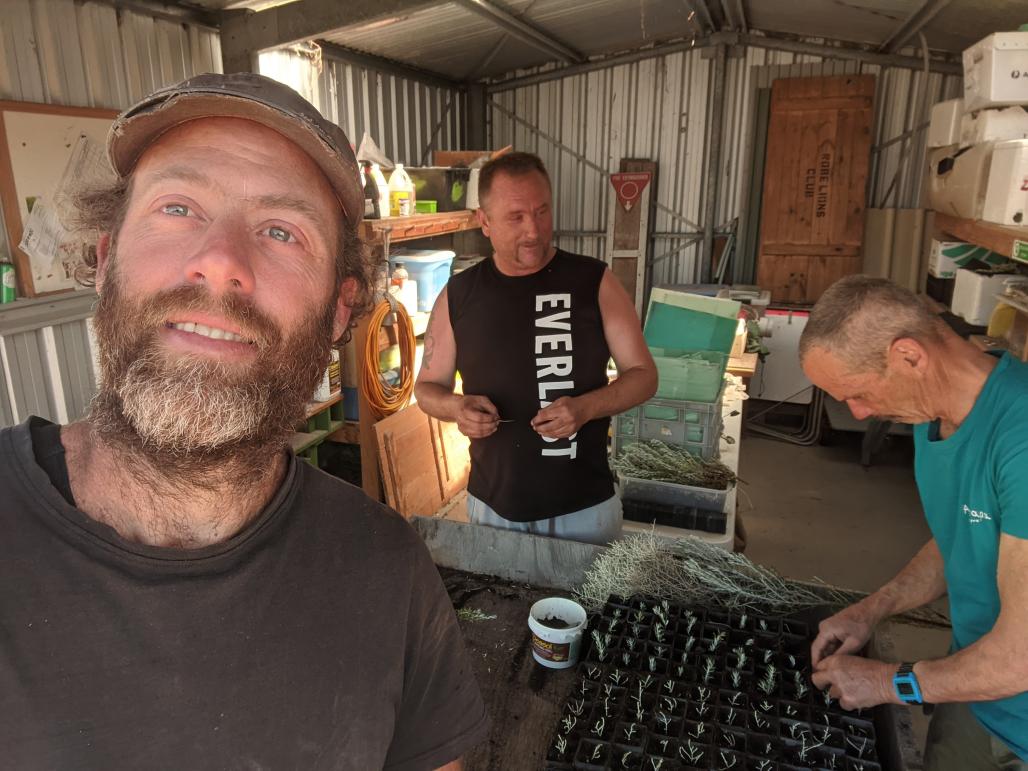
point(383, 190)
point(405, 290)
point(8, 292)
point(401, 193)
point(372, 198)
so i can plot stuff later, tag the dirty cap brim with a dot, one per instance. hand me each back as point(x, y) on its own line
point(251, 97)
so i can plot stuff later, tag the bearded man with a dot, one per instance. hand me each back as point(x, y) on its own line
point(178, 591)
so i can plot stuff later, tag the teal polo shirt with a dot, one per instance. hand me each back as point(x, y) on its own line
point(974, 486)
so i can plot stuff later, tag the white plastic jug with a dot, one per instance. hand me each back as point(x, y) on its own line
point(383, 189)
point(401, 193)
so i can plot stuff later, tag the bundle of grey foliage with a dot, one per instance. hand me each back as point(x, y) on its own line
point(660, 462)
point(691, 571)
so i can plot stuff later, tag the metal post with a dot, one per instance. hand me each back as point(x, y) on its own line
point(713, 186)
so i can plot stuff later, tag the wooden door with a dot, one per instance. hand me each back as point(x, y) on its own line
point(815, 179)
point(424, 461)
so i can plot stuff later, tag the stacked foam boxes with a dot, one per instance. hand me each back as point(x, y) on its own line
point(978, 145)
point(690, 337)
point(978, 166)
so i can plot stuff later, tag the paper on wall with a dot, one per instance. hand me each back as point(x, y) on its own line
point(56, 252)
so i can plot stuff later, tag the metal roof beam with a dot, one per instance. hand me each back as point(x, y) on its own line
point(388, 66)
point(244, 34)
point(914, 24)
point(524, 31)
point(732, 38)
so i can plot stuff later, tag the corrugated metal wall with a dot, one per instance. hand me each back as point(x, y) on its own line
point(658, 109)
point(90, 55)
point(406, 118)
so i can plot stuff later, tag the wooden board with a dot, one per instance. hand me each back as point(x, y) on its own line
point(423, 461)
point(812, 216)
point(996, 238)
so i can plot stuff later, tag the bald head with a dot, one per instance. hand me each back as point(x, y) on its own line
point(859, 317)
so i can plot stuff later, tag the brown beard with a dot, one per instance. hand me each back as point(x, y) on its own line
point(197, 420)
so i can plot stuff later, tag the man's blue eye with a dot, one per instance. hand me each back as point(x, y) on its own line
point(176, 208)
point(280, 234)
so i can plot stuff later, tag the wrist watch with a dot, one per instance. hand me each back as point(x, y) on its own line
point(906, 685)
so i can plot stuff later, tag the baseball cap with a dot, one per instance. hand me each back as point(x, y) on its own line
point(241, 95)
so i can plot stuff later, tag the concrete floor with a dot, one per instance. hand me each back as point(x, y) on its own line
point(816, 512)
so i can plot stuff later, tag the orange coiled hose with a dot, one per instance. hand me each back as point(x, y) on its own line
point(383, 398)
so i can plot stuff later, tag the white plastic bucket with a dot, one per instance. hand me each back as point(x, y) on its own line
point(556, 648)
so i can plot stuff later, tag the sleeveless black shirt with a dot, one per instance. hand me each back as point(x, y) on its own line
point(523, 342)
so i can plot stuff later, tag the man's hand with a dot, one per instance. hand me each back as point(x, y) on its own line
point(855, 681)
point(561, 419)
point(477, 417)
point(845, 632)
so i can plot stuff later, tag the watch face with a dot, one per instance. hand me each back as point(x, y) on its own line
point(905, 689)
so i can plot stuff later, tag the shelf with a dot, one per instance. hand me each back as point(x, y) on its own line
point(997, 238)
point(313, 408)
point(304, 440)
point(418, 226)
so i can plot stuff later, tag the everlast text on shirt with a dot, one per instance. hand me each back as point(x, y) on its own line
point(554, 362)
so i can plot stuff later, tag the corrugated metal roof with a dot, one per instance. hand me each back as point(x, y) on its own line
point(454, 41)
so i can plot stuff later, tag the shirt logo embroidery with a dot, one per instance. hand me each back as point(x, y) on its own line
point(976, 517)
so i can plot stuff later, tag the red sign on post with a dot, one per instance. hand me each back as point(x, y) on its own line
point(629, 187)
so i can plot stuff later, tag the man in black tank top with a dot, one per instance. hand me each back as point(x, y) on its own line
point(530, 331)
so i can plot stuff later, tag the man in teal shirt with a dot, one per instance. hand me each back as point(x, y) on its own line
point(875, 346)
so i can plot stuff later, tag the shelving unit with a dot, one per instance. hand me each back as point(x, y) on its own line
point(1001, 239)
point(380, 234)
point(1011, 242)
point(323, 418)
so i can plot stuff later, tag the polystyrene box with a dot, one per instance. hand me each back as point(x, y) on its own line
point(957, 179)
point(996, 71)
point(995, 125)
point(1006, 197)
point(974, 295)
point(944, 128)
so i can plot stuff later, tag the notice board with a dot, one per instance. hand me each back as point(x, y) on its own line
point(815, 180)
point(36, 143)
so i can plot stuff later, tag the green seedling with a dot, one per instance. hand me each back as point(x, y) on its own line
point(596, 752)
point(630, 731)
point(576, 707)
point(616, 677)
point(561, 745)
point(699, 731)
point(716, 641)
point(692, 753)
point(767, 683)
point(728, 761)
point(569, 722)
point(708, 669)
point(600, 725)
point(653, 663)
point(664, 720)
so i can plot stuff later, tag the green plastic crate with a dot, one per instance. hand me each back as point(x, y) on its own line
point(695, 376)
point(694, 426)
point(688, 322)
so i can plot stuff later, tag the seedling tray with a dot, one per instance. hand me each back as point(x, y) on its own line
point(684, 517)
point(666, 687)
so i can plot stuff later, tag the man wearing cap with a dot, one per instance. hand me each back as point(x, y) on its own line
point(531, 331)
point(176, 590)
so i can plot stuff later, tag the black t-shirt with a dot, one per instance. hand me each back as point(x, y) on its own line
point(319, 637)
point(526, 341)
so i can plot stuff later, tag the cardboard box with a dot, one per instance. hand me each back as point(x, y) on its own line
point(946, 257)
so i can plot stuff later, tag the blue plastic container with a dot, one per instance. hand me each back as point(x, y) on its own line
point(430, 270)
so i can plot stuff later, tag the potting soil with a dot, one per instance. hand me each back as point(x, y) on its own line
point(663, 687)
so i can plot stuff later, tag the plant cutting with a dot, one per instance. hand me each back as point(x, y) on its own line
point(657, 461)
